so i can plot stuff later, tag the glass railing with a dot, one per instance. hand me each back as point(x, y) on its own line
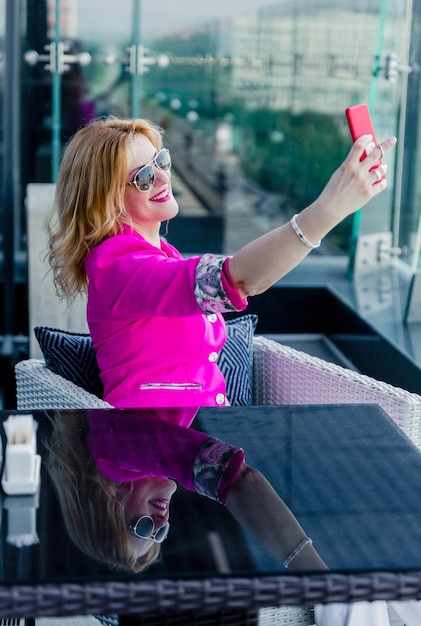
point(262, 94)
point(270, 95)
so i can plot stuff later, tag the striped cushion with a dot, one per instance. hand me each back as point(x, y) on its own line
point(236, 359)
point(72, 356)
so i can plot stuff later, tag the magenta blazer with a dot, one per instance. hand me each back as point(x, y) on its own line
point(128, 447)
point(156, 324)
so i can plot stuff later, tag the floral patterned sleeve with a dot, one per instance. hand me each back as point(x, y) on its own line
point(215, 290)
point(215, 468)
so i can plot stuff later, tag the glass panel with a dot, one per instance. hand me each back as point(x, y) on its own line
point(12, 322)
point(408, 218)
point(386, 98)
point(2, 86)
point(95, 36)
point(89, 47)
point(265, 95)
point(106, 30)
point(6, 240)
point(262, 95)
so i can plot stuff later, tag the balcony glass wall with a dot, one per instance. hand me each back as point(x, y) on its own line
point(265, 92)
point(270, 93)
point(76, 66)
point(407, 224)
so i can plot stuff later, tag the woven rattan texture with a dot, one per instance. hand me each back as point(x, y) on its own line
point(272, 616)
point(40, 388)
point(205, 596)
point(286, 616)
point(289, 376)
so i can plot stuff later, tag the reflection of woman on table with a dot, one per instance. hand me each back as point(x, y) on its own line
point(115, 494)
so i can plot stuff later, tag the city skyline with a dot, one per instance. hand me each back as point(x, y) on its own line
point(170, 17)
point(174, 16)
point(155, 21)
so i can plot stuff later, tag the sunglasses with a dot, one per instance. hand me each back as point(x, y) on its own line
point(144, 528)
point(144, 178)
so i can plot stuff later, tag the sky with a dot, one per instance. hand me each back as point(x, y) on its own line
point(166, 16)
point(111, 20)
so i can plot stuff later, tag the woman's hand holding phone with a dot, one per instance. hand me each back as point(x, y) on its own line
point(360, 123)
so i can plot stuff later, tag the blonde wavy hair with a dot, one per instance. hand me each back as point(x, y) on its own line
point(92, 506)
point(89, 198)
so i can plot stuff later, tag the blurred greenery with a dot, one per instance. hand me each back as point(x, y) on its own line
point(289, 154)
point(294, 155)
point(299, 157)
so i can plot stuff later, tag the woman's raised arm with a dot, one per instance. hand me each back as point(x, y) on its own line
point(259, 264)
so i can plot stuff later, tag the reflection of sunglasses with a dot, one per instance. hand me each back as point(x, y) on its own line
point(145, 529)
point(144, 178)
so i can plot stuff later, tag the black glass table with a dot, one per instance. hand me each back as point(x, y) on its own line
point(348, 473)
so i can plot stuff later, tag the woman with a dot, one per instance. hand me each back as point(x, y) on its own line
point(154, 317)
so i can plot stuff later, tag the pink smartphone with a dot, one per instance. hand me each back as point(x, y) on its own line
point(360, 123)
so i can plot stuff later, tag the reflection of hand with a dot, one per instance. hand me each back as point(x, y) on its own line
point(353, 184)
point(257, 506)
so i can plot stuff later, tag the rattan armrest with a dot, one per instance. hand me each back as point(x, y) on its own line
point(283, 375)
point(37, 387)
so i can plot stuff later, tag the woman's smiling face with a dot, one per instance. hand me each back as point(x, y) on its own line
point(148, 209)
point(150, 496)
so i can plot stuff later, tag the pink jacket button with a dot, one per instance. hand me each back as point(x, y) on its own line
point(220, 398)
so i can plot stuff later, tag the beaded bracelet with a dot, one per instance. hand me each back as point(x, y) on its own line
point(297, 551)
point(301, 236)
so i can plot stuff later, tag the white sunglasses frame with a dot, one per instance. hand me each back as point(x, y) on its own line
point(152, 164)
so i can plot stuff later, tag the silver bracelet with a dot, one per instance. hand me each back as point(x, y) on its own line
point(301, 236)
point(297, 551)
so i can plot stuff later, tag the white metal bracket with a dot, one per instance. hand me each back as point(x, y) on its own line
point(375, 251)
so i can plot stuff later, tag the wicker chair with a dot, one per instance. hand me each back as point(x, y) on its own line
point(281, 375)
point(37, 387)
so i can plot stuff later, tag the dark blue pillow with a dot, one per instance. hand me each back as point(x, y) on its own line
point(235, 360)
point(72, 356)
